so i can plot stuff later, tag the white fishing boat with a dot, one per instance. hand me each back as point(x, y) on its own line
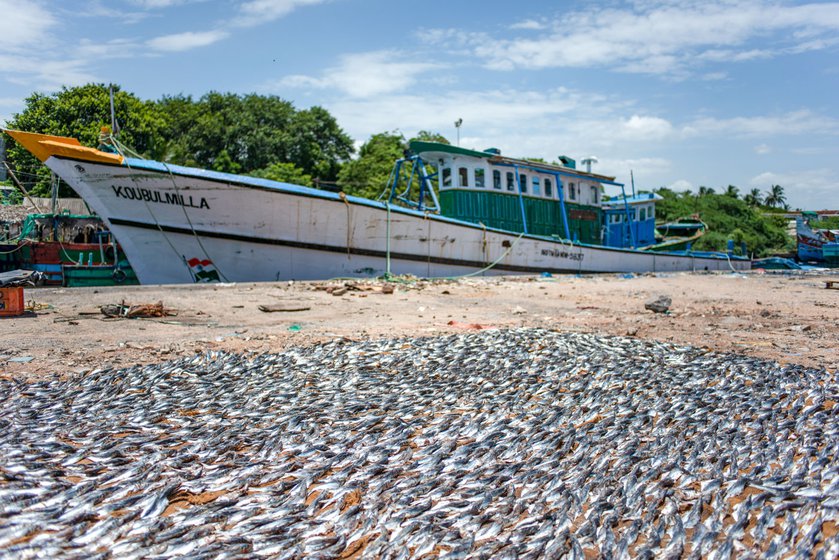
point(473, 212)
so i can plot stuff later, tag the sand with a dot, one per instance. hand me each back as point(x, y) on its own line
point(790, 318)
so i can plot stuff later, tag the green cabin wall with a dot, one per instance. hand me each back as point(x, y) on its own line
point(502, 211)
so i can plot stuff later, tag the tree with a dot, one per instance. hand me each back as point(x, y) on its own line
point(704, 191)
point(80, 112)
point(754, 198)
point(775, 197)
point(285, 173)
point(428, 136)
point(318, 145)
point(727, 218)
point(254, 132)
point(732, 191)
point(367, 175)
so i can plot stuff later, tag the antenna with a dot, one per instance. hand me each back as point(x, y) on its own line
point(632, 176)
point(588, 161)
point(457, 124)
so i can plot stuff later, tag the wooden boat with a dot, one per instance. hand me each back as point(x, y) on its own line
point(494, 215)
point(52, 244)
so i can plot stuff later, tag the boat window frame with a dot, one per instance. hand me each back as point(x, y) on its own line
point(535, 185)
point(548, 184)
point(511, 181)
point(595, 191)
point(482, 183)
point(643, 214)
point(463, 177)
point(572, 193)
point(446, 178)
point(496, 179)
point(523, 182)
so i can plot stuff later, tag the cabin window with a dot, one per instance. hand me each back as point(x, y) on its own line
point(496, 179)
point(479, 177)
point(463, 174)
point(536, 186)
point(652, 212)
point(447, 177)
point(511, 181)
point(572, 193)
point(549, 191)
point(643, 214)
point(594, 194)
point(523, 182)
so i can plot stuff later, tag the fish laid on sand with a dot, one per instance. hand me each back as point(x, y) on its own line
point(502, 444)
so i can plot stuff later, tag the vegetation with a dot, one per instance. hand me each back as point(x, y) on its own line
point(266, 136)
point(220, 131)
point(727, 217)
point(80, 112)
point(368, 175)
point(828, 222)
point(285, 173)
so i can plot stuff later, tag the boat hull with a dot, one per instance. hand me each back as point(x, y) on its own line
point(182, 225)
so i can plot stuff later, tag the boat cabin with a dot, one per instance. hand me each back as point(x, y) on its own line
point(534, 197)
point(630, 221)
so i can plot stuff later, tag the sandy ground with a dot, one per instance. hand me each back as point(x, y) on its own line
point(788, 318)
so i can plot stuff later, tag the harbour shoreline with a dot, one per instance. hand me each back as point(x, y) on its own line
point(790, 318)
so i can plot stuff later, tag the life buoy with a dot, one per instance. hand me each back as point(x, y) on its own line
point(119, 276)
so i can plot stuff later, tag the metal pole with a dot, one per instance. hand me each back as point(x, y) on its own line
point(521, 198)
point(21, 187)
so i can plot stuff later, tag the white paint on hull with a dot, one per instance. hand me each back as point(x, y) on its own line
point(255, 233)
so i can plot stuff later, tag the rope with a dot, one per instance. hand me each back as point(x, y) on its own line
point(191, 227)
point(153, 217)
point(490, 266)
point(122, 149)
point(387, 242)
point(20, 246)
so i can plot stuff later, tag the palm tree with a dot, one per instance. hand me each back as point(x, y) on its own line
point(705, 190)
point(754, 198)
point(775, 197)
point(732, 191)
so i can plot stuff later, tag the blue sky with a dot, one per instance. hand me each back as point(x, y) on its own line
point(739, 92)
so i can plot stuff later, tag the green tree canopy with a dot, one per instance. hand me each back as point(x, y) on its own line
point(368, 174)
point(285, 173)
point(775, 197)
point(80, 112)
point(754, 198)
point(727, 218)
point(250, 132)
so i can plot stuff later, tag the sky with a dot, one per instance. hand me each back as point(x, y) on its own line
point(682, 93)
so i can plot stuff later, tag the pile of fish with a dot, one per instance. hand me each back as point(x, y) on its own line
point(501, 444)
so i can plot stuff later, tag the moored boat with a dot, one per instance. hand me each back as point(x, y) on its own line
point(493, 215)
point(55, 243)
point(817, 245)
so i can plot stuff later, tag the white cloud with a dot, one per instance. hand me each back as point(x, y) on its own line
point(365, 74)
point(186, 41)
point(530, 24)
point(796, 122)
point(763, 149)
point(24, 24)
point(257, 12)
point(44, 74)
point(646, 128)
point(681, 185)
point(810, 189)
point(669, 37)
